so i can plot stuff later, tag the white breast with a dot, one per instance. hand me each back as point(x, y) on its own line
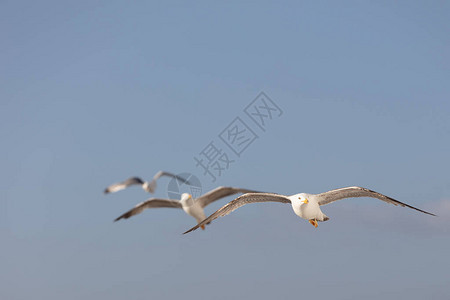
point(308, 211)
point(195, 210)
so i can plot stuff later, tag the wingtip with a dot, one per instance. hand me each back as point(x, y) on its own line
point(426, 212)
point(118, 218)
point(192, 229)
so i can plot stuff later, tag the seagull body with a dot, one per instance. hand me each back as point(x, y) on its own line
point(310, 211)
point(148, 186)
point(306, 206)
point(191, 206)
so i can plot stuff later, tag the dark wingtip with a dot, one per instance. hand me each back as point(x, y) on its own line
point(192, 229)
point(425, 212)
point(118, 218)
point(106, 191)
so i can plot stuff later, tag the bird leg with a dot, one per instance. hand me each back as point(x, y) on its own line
point(202, 227)
point(313, 222)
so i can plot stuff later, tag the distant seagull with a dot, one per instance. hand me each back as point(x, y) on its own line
point(149, 186)
point(306, 206)
point(193, 207)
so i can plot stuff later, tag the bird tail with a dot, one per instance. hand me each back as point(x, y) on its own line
point(325, 218)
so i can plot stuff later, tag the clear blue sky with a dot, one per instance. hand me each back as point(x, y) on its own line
point(92, 92)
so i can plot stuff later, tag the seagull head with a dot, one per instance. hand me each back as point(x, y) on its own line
point(302, 198)
point(187, 199)
point(149, 186)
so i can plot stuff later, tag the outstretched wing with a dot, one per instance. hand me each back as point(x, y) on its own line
point(168, 174)
point(220, 192)
point(124, 184)
point(150, 203)
point(356, 191)
point(241, 201)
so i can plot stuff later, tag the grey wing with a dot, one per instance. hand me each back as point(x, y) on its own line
point(124, 184)
point(150, 203)
point(356, 191)
point(168, 174)
point(221, 192)
point(241, 201)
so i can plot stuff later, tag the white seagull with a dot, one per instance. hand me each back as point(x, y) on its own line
point(306, 206)
point(148, 186)
point(193, 207)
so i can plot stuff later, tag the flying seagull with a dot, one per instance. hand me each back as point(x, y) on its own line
point(306, 206)
point(148, 186)
point(193, 207)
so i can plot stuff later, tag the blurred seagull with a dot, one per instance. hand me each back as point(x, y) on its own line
point(193, 207)
point(149, 186)
point(306, 206)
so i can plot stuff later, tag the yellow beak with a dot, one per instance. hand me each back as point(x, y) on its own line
point(305, 201)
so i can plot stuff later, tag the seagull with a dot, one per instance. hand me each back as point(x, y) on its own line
point(149, 186)
point(193, 207)
point(306, 206)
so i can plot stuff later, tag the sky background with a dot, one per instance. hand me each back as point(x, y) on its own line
point(92, 92)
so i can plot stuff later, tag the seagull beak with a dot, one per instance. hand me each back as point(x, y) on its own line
point(305, 201)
